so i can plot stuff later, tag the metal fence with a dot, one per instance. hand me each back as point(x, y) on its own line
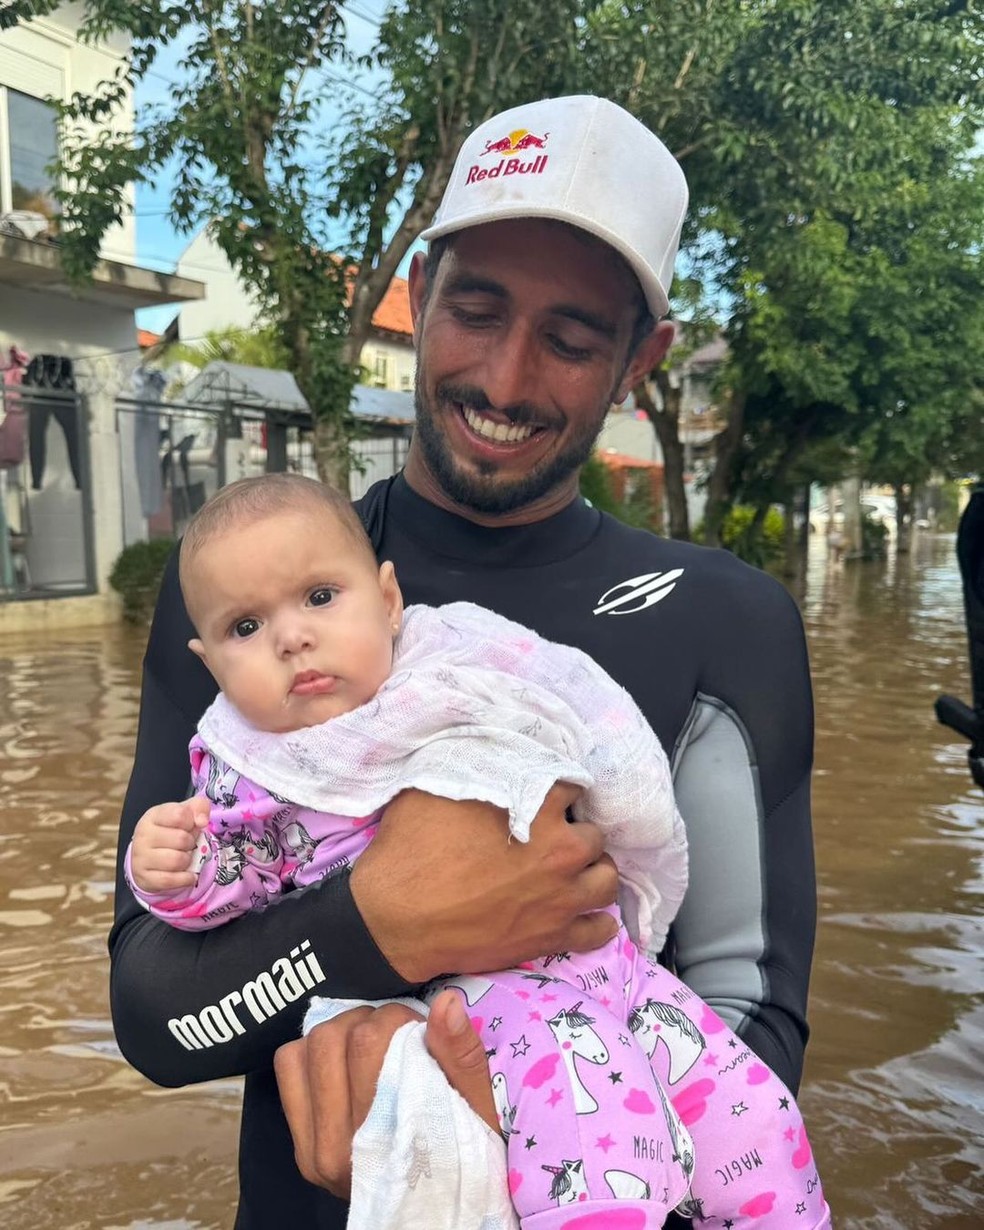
point(175, 455)
point(46, 507)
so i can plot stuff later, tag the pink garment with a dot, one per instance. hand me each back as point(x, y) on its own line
point(622, 1096)
point(13, 427)
point(256, 844)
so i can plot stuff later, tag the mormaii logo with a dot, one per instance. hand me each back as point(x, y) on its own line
point(287, 979)
point(638, 593)
point(517, 142)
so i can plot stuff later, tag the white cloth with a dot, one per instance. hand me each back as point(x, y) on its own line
point(479, 707)
point(422, 1160)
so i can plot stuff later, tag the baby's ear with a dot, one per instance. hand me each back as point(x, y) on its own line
point(392, 595)
point(198, 649)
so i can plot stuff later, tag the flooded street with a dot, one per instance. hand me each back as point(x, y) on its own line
point(894, 1091)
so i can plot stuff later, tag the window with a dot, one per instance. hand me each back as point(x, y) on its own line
point(28, 144)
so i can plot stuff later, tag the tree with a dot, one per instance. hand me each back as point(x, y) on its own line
point(242, 133)
point(792, 158)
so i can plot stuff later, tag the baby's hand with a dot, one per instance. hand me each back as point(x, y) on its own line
point(165, 855)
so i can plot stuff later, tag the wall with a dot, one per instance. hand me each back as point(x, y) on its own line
point(43, 58)
point(226, 302)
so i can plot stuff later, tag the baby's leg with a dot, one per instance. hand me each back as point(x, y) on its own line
point(752, 1163)
point(586, 1133)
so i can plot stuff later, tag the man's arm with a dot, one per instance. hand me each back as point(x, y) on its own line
point(441, 888)
point(743, 939)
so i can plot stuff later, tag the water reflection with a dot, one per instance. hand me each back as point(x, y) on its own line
point(893, 1090)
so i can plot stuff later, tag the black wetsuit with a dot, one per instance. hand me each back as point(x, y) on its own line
point(714, 654)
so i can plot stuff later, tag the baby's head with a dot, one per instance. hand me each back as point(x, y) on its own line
point(295, 619)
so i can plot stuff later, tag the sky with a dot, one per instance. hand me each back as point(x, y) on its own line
point(158, 244)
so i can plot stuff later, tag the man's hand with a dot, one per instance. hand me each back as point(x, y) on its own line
point(328, 1080)
point(444, 889)
point(164, 843)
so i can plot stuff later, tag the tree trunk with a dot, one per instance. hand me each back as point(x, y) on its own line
point(905, 500)
point(666, 423)
point(331, 453)
point(719, 486)
point(790, 555)
point(851, 496)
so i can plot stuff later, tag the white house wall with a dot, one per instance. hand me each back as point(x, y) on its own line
point(44, 58)
point(226, 303)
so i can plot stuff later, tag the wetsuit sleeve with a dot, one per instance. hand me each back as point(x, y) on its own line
point(743, 939)
point(188, 1006)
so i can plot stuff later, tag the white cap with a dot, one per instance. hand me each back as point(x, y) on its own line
point(580, 160)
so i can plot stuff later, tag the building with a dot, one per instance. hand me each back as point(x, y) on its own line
point(60, 347)
point(387, 359)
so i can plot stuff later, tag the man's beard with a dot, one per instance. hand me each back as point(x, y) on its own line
point(481, 487)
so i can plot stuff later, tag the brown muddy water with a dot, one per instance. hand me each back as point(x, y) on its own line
point(894, 1088)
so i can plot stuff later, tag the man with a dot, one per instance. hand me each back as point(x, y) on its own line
point(549, 262)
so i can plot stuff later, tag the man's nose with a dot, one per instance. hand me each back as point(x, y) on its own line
point(513, 368)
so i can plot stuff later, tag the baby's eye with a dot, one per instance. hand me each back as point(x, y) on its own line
point(246, 627)
point(321, 597)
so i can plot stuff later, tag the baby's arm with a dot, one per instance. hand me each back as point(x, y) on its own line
point(165, 848)
point(231, 860)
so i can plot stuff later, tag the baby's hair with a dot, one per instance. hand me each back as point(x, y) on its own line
point(252, 499)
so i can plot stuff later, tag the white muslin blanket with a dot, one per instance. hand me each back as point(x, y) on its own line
point(422, 1160)
point(479, 707)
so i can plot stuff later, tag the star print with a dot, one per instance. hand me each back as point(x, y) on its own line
point(491, 1053)
point(728, 1224)
point(605, 1143)
point(495, 1022)
point(605, 1002)
point(520, 1047)
point(555, 1097)
point(547, 999)
point(615, 1078)
point(522, 994)
point(784, 1103)
point(732, 1043)
point(531, 1142)
point(789, 1134)
point(801, 1207)
point(256, 900)
point(710, 1061)
point(624, 1040)
point(739, 1109)
point(535, 1016)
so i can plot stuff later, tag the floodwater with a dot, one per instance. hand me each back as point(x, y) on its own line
point(894, 1090)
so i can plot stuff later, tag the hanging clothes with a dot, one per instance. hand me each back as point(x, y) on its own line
point(55, 373)
point(13, 429)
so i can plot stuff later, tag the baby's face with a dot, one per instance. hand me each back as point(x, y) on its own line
point(295, 621)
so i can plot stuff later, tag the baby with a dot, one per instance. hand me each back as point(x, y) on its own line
point(333, 699)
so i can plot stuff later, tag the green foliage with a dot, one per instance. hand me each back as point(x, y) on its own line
point(137, 575)
point(759, 545)
point(598, 488)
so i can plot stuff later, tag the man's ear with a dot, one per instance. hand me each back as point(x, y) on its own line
point(198, 649)
point(650, 352)
point(392, 595)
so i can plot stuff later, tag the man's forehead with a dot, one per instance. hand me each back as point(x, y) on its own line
point(488, 245)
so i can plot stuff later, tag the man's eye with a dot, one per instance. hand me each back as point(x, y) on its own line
point(321, 597)
point(246, 627)
point(567, 351)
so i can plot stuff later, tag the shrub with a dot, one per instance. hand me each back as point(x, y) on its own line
point(766, 547)
point(137, 575)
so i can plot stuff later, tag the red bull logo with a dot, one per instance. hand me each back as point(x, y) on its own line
point(517, 142)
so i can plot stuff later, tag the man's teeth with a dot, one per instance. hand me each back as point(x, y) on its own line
point(495, 431)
